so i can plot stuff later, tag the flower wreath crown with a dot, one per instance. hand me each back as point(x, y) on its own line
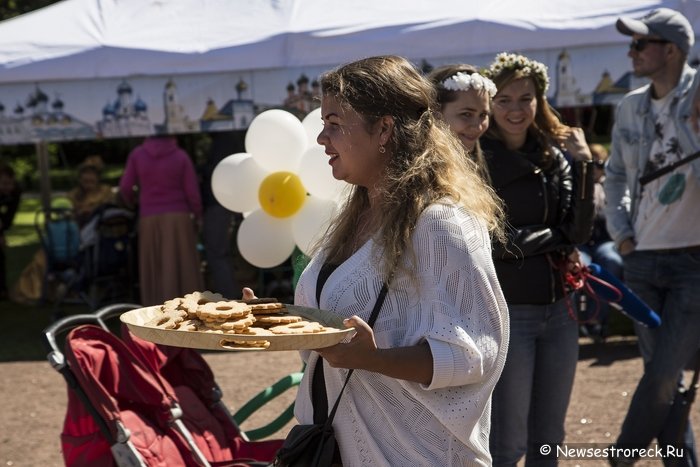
point(462, 81)
point(529, 68)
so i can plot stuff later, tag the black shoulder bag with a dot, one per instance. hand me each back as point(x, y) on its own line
point(315, 445)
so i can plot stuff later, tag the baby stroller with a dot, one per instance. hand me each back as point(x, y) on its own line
point(60, 241)
point(134, 403)
point(108, 243)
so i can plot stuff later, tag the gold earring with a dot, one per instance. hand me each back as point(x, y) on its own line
point(382, 149)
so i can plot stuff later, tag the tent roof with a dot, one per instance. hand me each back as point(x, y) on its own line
point(83, 39)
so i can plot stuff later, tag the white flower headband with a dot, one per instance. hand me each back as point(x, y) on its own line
point(462, 81)
point(531, 68)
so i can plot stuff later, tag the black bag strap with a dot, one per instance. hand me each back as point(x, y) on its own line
point(319, 397)
point(372, 318)
point(666, 169)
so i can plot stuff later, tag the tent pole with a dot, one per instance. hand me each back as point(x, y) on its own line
point(42, 152)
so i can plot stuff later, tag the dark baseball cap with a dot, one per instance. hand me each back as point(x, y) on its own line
point(663, 22)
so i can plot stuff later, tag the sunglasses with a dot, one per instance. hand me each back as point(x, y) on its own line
point(599, 164)
point(641, 44)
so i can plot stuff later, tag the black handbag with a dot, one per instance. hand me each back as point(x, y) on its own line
point(308, 445)
point(315, 445)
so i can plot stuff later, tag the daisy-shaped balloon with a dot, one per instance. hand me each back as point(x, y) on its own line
point(282, 184)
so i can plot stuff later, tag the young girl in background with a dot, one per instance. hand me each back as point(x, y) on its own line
point(464, 97)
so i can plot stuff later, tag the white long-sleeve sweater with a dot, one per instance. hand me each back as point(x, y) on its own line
point(457, 306)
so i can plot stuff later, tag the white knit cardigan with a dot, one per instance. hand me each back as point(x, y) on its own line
point(457, 306)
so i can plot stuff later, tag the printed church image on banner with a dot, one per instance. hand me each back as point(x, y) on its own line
point(40, 120)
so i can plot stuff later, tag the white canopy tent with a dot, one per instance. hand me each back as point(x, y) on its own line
point(194, 51)
point(210, 65)
point(87, 39)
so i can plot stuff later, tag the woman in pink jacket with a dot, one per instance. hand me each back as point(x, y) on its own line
point(162, 176)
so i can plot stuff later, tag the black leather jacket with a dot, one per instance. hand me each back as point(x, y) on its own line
point(549, 209)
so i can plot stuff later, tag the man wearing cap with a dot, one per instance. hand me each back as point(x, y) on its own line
point(655, 224)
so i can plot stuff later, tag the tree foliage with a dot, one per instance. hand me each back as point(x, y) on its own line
point(11, 8)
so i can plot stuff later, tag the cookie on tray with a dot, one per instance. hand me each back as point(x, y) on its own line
point(204, 297)
point(267, 308)
point(240, 324)
point(168, 319)
point(300, 327)
point(268, 320)
point(223, 311)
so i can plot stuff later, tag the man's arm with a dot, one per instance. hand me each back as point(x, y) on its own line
point(617, 195)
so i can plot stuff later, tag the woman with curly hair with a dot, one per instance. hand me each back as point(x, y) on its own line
point(549, 206)
point(420, 219)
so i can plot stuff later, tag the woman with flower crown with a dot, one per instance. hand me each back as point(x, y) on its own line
point(549, 210)
point(464, 97)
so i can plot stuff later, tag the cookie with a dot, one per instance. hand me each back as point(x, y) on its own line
point(255, 331)
point(231, 325)
point(266, 308)
point(258, 301)
point(275, 319)
point(251, 343)
point(301, 327)
point(173, 304)
point(168, 319)
point(190, 324)
point(204, 297)
point(223, 310)
point(191, 306)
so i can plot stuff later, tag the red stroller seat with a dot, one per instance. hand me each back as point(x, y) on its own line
point(214, 430)
point(139, 410)
point(131, 402)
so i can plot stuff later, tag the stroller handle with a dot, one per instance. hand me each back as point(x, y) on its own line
point(114, 310)
point(98, 318)
point(64, 325)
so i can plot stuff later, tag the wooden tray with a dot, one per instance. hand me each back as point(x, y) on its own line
point(135, 320)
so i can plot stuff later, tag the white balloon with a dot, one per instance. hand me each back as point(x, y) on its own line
point(313, 124)
point(312, 221)
point(317, 175)
point(265, 241)
point(235, 182)
point(276, 139)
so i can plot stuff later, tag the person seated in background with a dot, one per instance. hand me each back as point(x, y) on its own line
point(90, 192)
point(10, 194)
point(61, 241)
point(600, 249)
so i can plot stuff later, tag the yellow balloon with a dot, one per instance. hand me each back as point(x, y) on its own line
point(281, 194)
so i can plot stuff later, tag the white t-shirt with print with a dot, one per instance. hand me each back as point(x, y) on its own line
point(669, 206)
